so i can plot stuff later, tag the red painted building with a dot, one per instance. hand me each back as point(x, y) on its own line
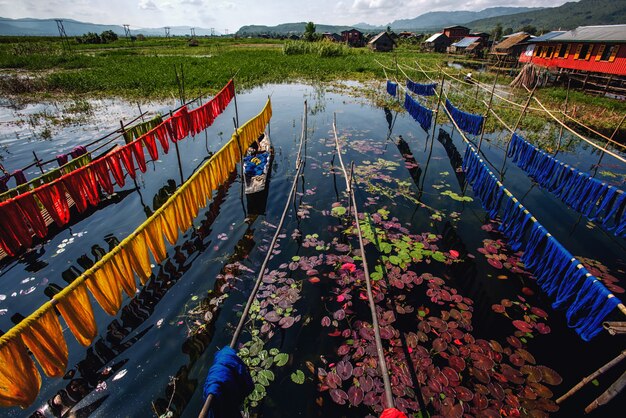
point(456, 33)
point(353, 37)
point(586, 49)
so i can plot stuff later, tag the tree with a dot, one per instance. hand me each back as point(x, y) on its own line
point(108, 36)
point(496, 33)
point(529, 29)
point(388, 29)
point(507, 31)
point(309, 31)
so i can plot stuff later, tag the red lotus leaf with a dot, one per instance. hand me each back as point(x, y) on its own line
point(366, 383)
point(339, 396)
point(272, 316)
point(457, 363)
point(439, 345)
point(454, 254)
point(542, 328)
point(495, 263)
point(451, 409)
point(526, 290)
point(452, 376)
point(541, 390)
point(357, 372)
point(464, 394)
point(370, 398)
point(339, 315)
point(480, 402)
point(534, 373)
point(528, 393)
point(335, 333)
point(506, 303)
point(287, 321)
point(550, 376)
point(343, 350)
point(489, 413)
point(333, 380)
point(435, 385)
point(482, 362)
point(312, 272)
point(522, 326)
point(512, 400)
point(481, 375)
point(496, 346)
point(344, 370)
point(512, 375)
point(498, 308)
point(496, 390)
point(491, 248)
point(516, 360)
point(314, 280)
point(525, 355)
point(325, 321)
point(355, 395)
point(539, 312)
point(546, 405)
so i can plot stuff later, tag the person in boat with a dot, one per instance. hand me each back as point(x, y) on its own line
point(468, 78)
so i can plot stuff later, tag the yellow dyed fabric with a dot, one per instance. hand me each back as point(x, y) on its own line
point(77, 312)
point(19, 379)
point(182, 220)
point(120, 269)
point(44, 338)
point(154, 239)
point(137, 252)
point(168, 224)
point(104, 287)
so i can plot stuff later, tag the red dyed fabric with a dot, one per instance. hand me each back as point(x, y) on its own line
point(137, 149)
point(74, 186)
point(178, 124)
point(113, 161)
point(150, 141)
point(90, 185)
point(32, 213)
point(14, 232)
point(392, 413)
point(126, 155)
point(52, 197)
point(102, 175)
point(161, 133)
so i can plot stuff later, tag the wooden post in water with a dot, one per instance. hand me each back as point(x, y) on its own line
point(517, 124)
point(619, 125)
point(482, 132)
point(558, 146)
point(37, 162)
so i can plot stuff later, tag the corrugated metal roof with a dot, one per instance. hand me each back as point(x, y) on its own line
point(435, 36)
point(594, 33)
point(465, 42)
point(380, 35)
point(547, 36)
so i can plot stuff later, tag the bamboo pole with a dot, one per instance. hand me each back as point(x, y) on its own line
point(619, 125)
point(592, 376)
point(482, 132)
point(609, 394)
point(558, 147)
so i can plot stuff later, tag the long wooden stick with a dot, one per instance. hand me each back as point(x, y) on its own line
point(592, 376)
point(482, 131)
point(609, 394)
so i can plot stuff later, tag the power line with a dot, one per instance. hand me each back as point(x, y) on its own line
point(167, 31)
point(64, 39)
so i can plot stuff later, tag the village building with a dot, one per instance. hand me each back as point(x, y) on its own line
point(333, 37)
point(593, 57)
point(437, 43)
point(353, 37)
point(505, 54)
point(461, 46)
point(456, 33)
point(382, 43)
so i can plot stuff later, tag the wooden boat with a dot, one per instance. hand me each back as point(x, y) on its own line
point(257, 165)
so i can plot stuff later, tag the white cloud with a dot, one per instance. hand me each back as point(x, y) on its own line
point(147, 5)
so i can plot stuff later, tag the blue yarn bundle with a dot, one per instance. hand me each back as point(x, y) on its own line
point(421, 89)
point(596, 200)
point(469, 122)
point(558, 273)
point(421, 114)
point(392, 88)
point(254, 165)
point(229, 382)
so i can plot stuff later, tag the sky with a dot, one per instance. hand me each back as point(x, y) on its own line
point(232, 14)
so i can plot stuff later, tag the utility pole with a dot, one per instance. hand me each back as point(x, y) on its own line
point(167, 31)
point(193, 32)
point(127, 32)
point(212, 31)
point(64, 39)
point(226, 31)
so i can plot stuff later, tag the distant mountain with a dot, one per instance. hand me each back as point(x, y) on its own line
point(48, 27)
point(292, 28)
point(367, 26)
point(565, 17)
point(439, 20)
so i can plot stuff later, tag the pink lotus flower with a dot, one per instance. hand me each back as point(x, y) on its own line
point(349, 266)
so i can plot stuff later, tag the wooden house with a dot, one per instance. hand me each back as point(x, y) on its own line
point(592, 56)
point(437, 43)
point(333, 37)
point(382, 42)
point(456, 33)
point(353, 37)
point(506, 53)
point(460, 47)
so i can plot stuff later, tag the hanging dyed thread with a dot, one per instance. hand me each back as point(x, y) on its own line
point(421, 89)
point(559, 274)
point(392, 88)
point(594, 199)
point(469, 122)
point(421, 114)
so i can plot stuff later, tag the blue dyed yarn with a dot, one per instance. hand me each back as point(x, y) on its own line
point(392, 88)
point(421, 89)
point(577, 189)
point(585, 315)
point(421, 114)
point(468, 122)
point(256, 167)
point(229, 382)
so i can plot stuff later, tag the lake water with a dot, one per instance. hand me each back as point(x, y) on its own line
point(153, 357)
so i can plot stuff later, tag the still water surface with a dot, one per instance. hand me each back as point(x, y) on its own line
point(146, 360)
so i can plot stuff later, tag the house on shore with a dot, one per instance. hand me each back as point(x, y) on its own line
point(456, 33)
point(437, 43)
point(461, 46)
point(353, 37)
point(593, 57)
point(382, 42)
point(505, 54)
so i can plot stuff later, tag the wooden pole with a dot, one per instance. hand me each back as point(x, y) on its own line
point(180, 166)
point(517, 124)
point(37, 162)
point(609, 394)
point(558, 146)
point(619, 125)
point(592, 376)
point(482, 132)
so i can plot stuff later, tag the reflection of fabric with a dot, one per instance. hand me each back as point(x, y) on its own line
point(229, 382)
point(19, 378)
point(44, 338)
point(77, 312)
point(19, 176)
